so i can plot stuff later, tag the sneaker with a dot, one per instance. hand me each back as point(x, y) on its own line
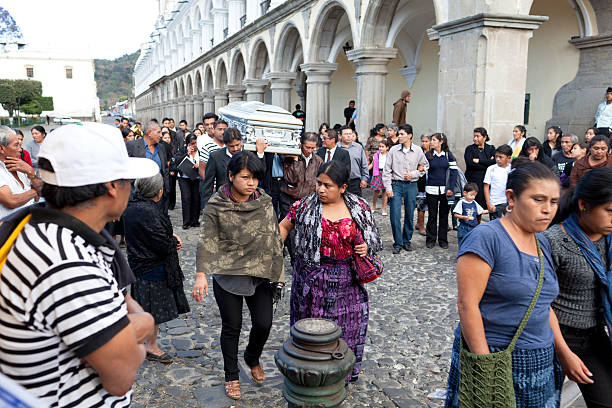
point(407, 247)
point(430, 245)
point(384, 213)
point(396, 250)
point(444, 245)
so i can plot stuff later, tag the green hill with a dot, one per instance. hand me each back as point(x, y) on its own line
point(114, 78)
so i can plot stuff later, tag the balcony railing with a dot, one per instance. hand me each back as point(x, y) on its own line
point(265, 5)
point(225, 33)
point(212, 42)
point(242, 21)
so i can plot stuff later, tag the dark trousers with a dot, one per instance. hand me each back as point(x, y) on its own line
point(406, 192)
point(285, 204)
point(190, 200)
point(275, 184)
point(354, 186)
point(172, 193)
point(437, 218)
point(480, 198)
point(230, 308)
point(500, 211)
point(593, 348)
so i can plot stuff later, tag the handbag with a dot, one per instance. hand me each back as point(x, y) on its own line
point(486, 379)
point(368, 267)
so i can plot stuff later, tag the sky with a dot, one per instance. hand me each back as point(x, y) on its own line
point(98, 29)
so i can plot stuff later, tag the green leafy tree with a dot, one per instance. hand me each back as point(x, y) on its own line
point(46, 102)
point(25, 95)
point(8, 98)
point(31, 108)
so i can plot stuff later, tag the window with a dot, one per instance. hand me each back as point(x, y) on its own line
point(527, 106)
point(68, 72)
point(29, 71)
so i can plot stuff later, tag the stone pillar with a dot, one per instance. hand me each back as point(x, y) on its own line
point(208, 103)
point(252, 10)
point(235, 10)
point(482, 74)
point(197, 109)
point(255, 89)
point(235, 93)
point(281, 85)
point(221, 96)
point(220, 22)
point(181, 110)
point(196, 40)
point(189, 111)
point(175, 111)
point(207, 34)
point(318, 77)
point(371, 75)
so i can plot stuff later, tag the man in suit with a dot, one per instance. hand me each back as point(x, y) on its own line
point(151, 148)
point(331, 150)
point(216, 168)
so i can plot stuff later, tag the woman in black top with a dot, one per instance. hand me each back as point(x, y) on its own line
point(580, 245)
point(533, 150)
point(478, 157)
point(552, 144)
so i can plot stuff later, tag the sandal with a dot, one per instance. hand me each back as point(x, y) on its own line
point(258, 374)
point(232, 389)
point(164, 358)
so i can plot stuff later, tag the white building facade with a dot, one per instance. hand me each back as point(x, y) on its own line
point(68, 79)
point(467, 63)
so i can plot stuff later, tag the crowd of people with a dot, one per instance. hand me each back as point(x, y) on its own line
point(549, 206)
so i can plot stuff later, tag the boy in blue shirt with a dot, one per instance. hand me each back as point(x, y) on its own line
point(467, 211)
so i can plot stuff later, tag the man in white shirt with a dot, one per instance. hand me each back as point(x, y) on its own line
point(15, 175)
point(495, 181)
point(603, 117)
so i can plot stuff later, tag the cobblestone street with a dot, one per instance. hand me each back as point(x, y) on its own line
point(407, 354)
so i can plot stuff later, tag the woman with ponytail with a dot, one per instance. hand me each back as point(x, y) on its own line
point(582, 254)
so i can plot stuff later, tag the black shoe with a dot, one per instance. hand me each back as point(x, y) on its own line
point(186, 227)
point(396, 250)
point(195, 224)
point(444, 245)
point(407, 247)
point(430, 245)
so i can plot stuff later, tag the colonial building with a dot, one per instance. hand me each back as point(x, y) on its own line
point(467, 63)
point(65, 76)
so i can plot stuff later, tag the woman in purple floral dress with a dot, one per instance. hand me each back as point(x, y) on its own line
point(324, 283)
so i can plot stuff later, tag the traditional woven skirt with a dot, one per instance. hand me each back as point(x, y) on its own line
point(330, 291)
point(157, 298)
point(377, 184)
point(537, 376)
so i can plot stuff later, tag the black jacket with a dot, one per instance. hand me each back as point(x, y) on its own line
point(475, 172)
point(136, 148)
point(149, 239)
point(340, 155)
point(216, 173)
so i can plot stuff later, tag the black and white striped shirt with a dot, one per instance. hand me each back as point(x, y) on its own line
point(59, 303)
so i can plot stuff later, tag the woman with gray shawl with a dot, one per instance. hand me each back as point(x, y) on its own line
point(327, 226)
point(240, 244)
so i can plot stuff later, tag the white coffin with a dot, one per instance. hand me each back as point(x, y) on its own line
point(255, 119)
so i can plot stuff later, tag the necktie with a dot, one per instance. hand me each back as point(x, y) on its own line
point(328, 156)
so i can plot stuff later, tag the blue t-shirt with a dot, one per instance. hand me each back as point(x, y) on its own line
point(472, 209)
point(511, 286)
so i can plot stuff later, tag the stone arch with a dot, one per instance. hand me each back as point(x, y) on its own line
point(377, 21)
point(196, 16)
point(176, 92)
point(289, 44)
point(209, 80)
point(181, 87)
point(221, 74)
point(237, 68)
point(189, 86)
point(198, 83)
point(323, 37)
point(260, 60)
point(587, 20)
point(408, 29)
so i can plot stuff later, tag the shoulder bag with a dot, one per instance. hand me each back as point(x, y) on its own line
point(367, 268)
point(486, 379)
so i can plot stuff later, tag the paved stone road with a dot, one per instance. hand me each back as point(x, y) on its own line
point(407, 354)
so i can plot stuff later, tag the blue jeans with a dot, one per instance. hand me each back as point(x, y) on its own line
point(406, 192)
point(462, 231)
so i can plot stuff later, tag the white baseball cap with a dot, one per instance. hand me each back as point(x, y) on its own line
point(90, 153)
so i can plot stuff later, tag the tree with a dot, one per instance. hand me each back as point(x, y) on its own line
point(25, 95)
point(31, 108)
point(8, 96)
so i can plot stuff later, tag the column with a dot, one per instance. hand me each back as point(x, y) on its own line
point(181, 110)
point(482, 74)
point(220, 98)
point(255, 89)
point(252, 10)
point(235, 93)
point(189, 111)
point(207, 34)
point(175, 111)
point(197, 109)
point(196, 40)
point(281, 85)
point(208, 103)
point(220, 22)
point(318, 77)
point(235, 10)
point(371, 75)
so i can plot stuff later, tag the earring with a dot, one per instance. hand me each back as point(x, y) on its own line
point(508, 208)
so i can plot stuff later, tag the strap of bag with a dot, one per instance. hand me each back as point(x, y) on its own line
point(6, 247)
point(534, 300)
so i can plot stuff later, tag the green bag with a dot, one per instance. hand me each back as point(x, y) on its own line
point(486, 379)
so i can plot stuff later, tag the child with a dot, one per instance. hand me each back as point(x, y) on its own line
point(467, 211)
point(495, 182)
point(378, 166)
point(421, 204)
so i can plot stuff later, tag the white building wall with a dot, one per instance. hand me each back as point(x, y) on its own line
point(74, 97)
